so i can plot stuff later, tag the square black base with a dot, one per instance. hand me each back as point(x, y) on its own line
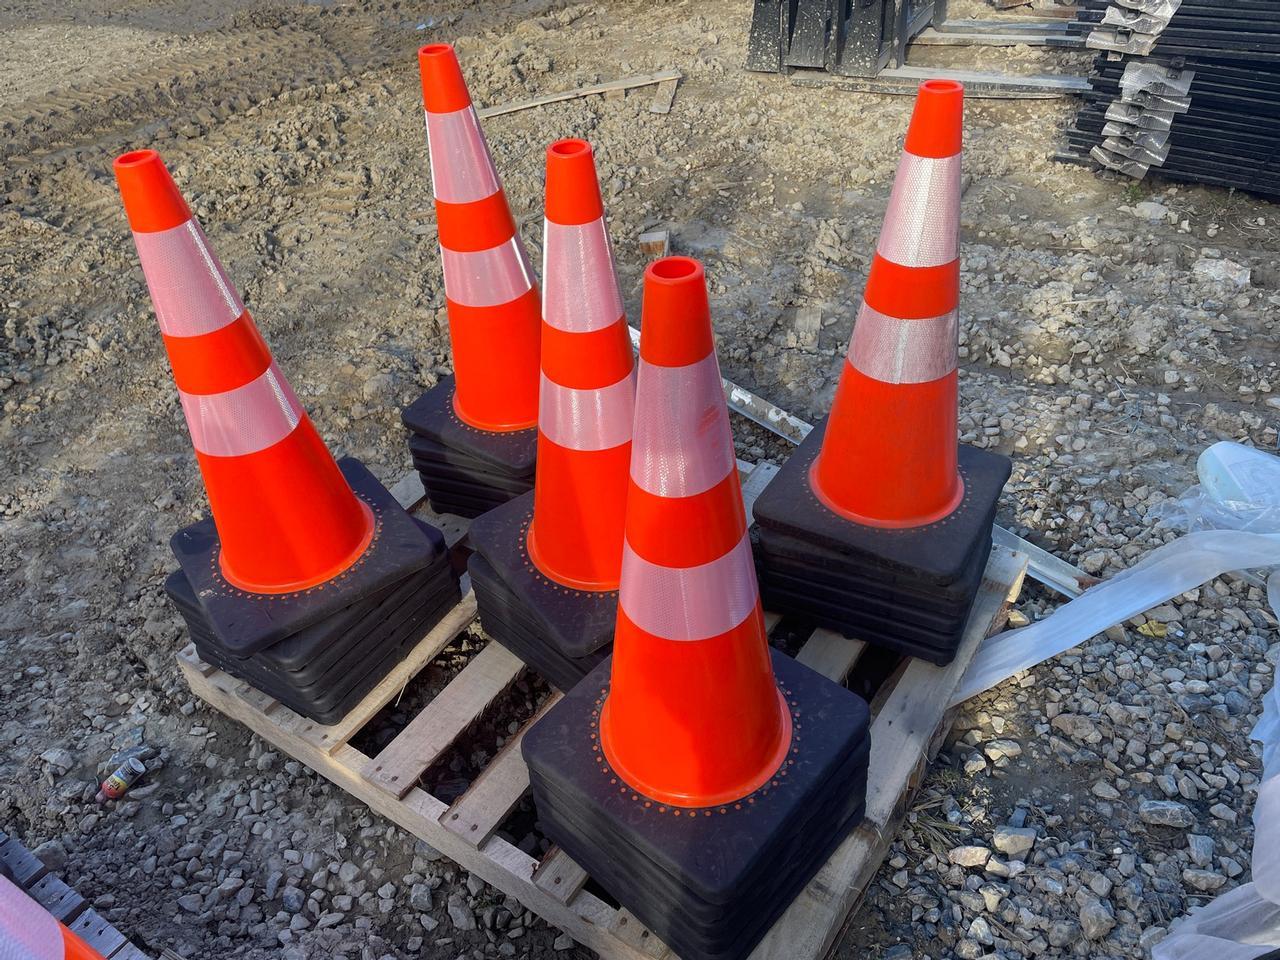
point(906, 590)
point(397, 640)
point(572, 624)
point(935, 554)
point(709, 881)
point(503, 617)
point(327, 667)
point(245, 623)
point(466, 471)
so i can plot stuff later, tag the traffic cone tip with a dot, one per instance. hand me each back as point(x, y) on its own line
point(152, 201)
point(573, 190)
point(937, 121)
point(443, 88)
point(675, 317)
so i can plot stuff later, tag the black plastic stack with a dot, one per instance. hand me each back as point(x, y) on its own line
point(907, 590)
point(710, 881)
point(561, 633)
point(466, 471)
point(1188, 90)
point(319, 651)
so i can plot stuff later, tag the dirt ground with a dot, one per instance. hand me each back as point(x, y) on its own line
point(1100, 350)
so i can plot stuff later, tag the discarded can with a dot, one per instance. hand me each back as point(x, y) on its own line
point(114, 787)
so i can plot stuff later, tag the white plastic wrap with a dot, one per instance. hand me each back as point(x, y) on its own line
point(1233, 523)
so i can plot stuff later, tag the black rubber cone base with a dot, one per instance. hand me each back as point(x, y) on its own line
point(504, 618)
point(397, 639)
point(466, 471)
point(934, 554)
point(711, 881)
point(245, 623)
point(906, 590)
point(573, 624)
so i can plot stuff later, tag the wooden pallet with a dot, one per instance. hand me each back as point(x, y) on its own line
point(66, 906)
point(909, 721)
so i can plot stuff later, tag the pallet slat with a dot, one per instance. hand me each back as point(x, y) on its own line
point(479, 811)
point(900, 737)
point(830, 654)
point(560, 876)
point(58, 898)
point(397, 768)
point(440, 636)
point(97, 933)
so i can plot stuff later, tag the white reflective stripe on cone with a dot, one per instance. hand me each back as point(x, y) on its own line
point(461, 169)
point(682, 445)
point(689, 603)
point(597, 419)
point(27, 931)
point(922, 222)
point(579, 287)
point(245, 420)
point(903, 351)
point(190, 290)
point(487, 278)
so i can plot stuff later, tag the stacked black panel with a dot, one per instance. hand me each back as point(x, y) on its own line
point(1188, 90)
point(466, 471)
point(319, 651)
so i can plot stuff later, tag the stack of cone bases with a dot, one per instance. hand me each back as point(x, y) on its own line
point(309, 581)
point(879, 526)
point(473, 436)
point(546, 565)
point(698, 776)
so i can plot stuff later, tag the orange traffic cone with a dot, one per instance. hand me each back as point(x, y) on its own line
point(588, 385)
point(490, 290)
point(671, 773)
point(28, 932)
point(880, 524)
point(694, 716)
point(286, 518)
point(889, 455)
point(546, 564)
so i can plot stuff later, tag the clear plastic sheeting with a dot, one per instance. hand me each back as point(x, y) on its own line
point(1233, 523)
point(1163, 81)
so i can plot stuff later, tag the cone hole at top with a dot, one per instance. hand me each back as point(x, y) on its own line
point(674, 269)
point(571, 147)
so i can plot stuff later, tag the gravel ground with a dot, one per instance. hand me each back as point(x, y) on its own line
point(1111, 330)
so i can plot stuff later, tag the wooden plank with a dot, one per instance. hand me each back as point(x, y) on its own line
point(129, 952)
point(627, 929)
point(929, 37)
point(584, 917)
point(664, 97)
point(397, 768)
point(479, 811)
point(23, 865)
point(625, 83)
point(58, 898)
point(408, 490)
point(257, 698)
point(754, 484)
point(900, 736)
point(97, 933)
point(560, 876)
point(831, 654)
point(329, 738)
